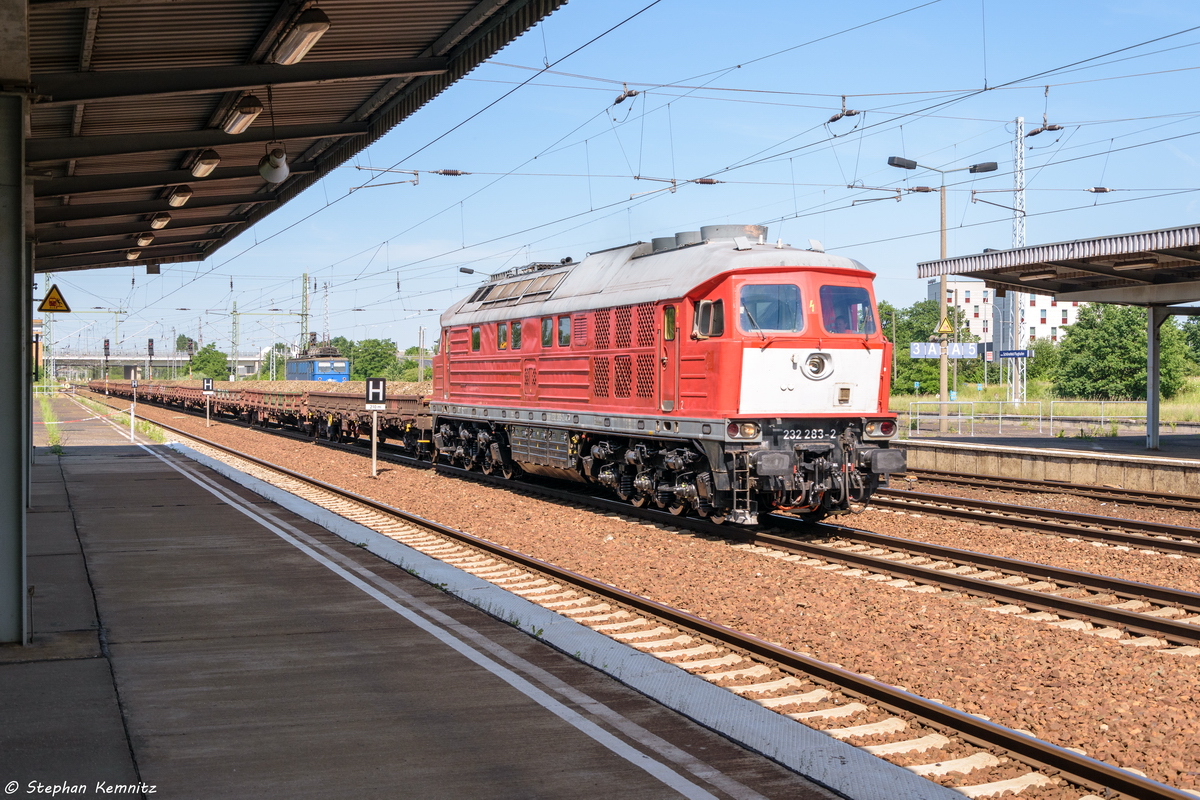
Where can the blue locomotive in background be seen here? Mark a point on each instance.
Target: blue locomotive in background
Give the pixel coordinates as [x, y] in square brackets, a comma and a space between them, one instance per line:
[318, 363]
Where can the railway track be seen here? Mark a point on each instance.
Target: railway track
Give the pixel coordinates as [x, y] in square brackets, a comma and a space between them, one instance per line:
[1164, 500]
[812, 692]
[1140, 614]
[1159, 537]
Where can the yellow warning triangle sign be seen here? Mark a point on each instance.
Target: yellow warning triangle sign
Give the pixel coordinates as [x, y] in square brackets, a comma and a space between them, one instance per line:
[945, 326]
[54, 302]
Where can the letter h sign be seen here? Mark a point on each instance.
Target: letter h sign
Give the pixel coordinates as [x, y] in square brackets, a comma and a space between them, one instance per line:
[376, 394]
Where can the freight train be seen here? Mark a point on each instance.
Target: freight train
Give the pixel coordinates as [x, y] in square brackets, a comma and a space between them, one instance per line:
[711, 373]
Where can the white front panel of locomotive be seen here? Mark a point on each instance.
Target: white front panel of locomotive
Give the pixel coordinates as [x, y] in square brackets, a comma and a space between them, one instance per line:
[774, 384]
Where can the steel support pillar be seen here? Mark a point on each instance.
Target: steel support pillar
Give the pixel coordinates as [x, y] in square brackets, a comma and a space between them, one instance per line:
[1155, 317]
[14, 319]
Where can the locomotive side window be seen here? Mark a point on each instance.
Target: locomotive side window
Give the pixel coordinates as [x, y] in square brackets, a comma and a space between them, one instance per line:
[548, 332]
[710, 319]
[564, 331]
[475, 337]
[669, 324]
[516, 335]
[847, 309]
[771, 307]
[501, 335]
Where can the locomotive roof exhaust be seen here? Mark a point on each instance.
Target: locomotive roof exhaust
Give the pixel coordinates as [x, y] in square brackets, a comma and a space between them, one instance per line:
[754, 233]
[751, 232]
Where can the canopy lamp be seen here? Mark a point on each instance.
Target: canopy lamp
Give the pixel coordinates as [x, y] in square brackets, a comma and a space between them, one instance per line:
[206, 162]
[273, 166]
[145, 239]
[309, 28]
[179, 196]
[133, 255]
[246, 112]
[1141, 263]
[160, 220]
[1044, 275]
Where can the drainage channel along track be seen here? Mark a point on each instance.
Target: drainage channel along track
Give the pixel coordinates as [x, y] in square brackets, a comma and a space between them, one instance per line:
[1164, 500]
[929, 738]
[1174, 539]
[1134, 613]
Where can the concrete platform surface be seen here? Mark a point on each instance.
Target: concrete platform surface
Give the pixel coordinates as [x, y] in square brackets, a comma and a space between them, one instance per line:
[190, 646]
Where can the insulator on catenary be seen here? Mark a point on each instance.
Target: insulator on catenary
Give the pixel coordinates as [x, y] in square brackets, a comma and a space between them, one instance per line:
[1099, 189]
[450, 172]
[706, 181]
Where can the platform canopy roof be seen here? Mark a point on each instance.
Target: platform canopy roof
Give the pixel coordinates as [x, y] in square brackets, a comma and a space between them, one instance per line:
[1152, 268]
[130, 94]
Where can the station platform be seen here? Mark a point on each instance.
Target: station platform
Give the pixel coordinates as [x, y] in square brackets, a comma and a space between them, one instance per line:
[1122, 461]
[194, 638]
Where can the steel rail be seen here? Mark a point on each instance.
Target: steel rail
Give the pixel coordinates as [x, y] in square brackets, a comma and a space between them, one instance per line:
[1185, 541]
[1133, 590]
[1130, 621]
[1145, 498]
[1043, 755]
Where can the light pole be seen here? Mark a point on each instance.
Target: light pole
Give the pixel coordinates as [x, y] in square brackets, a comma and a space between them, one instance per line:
[905, 163]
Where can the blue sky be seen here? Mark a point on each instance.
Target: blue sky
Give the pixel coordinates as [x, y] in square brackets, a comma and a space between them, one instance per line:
[738, 93]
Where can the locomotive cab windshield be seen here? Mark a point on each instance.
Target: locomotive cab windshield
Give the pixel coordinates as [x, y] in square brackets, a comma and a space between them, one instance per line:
[847, 309]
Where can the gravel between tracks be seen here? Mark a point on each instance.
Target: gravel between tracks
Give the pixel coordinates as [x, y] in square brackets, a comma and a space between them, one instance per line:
[1129, 706]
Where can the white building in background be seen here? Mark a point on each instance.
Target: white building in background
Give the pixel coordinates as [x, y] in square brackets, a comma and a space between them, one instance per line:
[990, 317]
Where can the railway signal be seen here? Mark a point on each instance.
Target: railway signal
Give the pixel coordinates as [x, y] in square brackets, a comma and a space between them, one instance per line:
[106, 348]
[150, 348]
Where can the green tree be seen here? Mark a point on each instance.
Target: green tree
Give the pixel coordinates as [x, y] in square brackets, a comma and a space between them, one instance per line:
[1104, 355]
[373, 358]
[1191, 334]
[182, 341]
[211, 363]
[1044, 360]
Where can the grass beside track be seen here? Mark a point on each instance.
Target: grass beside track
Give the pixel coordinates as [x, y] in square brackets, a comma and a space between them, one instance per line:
[50, 420]
[144, 427]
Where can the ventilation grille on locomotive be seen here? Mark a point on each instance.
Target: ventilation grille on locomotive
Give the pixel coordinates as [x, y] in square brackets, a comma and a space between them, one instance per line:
[601, 375]
[645, 325]
[623, 382]
[645, 375]
[603, 329]
[624, 326]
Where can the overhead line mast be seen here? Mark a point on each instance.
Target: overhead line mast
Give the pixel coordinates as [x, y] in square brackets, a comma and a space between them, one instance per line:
[1018, 370]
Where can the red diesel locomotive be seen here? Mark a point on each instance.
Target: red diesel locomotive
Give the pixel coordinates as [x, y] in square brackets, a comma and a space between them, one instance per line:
[709, 373]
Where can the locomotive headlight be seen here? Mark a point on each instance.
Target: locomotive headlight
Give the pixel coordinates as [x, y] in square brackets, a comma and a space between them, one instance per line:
[818, 366]
[880, 428]
[742, 430]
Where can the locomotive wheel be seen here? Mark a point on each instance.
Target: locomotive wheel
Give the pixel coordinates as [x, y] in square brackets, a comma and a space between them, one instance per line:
[706, 511]
[677, 507]
[509, 471]
[639, 500]
[488, 467]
